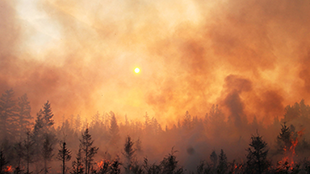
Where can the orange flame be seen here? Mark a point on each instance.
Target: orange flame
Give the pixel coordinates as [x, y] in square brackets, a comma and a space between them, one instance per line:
[288, 160]
[100, 164]
[8, 169]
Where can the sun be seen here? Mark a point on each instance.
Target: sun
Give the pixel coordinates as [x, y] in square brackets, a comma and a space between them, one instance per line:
[137, 70]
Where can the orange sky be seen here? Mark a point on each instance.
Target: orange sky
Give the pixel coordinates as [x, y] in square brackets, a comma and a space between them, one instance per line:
[250, 57]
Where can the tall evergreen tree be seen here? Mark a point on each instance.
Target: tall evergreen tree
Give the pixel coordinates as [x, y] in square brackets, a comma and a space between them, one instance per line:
[8, 115]
[223, 165]
[19, 153]
[129, 152]
[114, 129]
[213, 158]
[77, 165]
[29, 151]
[47, 151]
[64, 155]
[48, 115]
[284, 138]
[86, 145]
[257, 162]
[169, 164]
[23, 114]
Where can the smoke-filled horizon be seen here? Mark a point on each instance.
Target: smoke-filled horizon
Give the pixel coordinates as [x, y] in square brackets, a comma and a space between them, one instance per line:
[249, 57]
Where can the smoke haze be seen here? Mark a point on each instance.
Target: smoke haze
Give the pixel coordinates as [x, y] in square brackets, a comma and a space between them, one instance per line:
[250, 57]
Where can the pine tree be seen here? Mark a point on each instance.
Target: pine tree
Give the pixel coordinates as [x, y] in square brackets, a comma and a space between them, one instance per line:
[284, 138]
[213, 158]
[43, 128]
[64, 155]
[29, 151]
[48, 115]
[47, 151]
[257, 161]
[19, 152]
[86, 144]
[114, 130]
[23, 114]
[77, 165]
[7, 115]
[129, 152]
[223, 166]
[169, 164]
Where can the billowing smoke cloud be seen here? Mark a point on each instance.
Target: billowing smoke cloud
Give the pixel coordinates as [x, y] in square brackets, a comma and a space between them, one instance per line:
[250, 57]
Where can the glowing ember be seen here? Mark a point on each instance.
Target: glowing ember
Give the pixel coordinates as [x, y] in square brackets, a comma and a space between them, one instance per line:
[8, 169]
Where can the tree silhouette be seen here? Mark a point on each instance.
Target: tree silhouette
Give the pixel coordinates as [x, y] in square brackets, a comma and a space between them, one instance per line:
[19, 152]
[47, 115]
[284, 138]
[114, 129]
[257, 161]
[64, 155]
[129, 152]
[213, 158]
[169, 164]
[29, 151]
[47, 151]
[7, 115]
[23, 114]
[77, 165]
[223, 165]
[86, 145]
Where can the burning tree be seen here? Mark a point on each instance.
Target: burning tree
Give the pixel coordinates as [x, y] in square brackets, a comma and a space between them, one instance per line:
[257, 162]
[284, 139]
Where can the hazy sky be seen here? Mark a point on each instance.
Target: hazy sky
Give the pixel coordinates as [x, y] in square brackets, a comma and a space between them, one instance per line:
[250, 57]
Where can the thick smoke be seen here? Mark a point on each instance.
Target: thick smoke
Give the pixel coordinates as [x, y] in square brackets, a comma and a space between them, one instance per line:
[250, 57]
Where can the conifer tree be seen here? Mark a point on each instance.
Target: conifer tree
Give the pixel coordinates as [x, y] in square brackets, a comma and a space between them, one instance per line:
[257, 161]
[7, 115]
[86, 145]
[48, 115]
[77, 165]
[29, 151]
[47, 151]
[284, 138]
[169, 164]
[19, 152]
[129, 152]
[223, 166]
[23, 114]
[64, 155]
[213, 158]
[114, 129]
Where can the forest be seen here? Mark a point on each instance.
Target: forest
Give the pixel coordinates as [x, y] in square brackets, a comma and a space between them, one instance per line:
[202, 145]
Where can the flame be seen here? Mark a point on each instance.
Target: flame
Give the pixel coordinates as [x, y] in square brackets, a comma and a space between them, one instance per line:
[100, 164]
[287, 161]
[8, 169]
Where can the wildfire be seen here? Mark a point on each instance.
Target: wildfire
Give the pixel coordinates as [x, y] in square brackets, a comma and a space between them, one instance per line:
[287, 161]
[8, 169]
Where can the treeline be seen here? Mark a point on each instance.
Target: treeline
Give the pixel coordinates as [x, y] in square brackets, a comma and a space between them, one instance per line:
[141, 146]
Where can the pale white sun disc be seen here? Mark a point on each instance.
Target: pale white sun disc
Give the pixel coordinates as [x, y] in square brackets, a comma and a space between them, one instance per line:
[137, 70]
